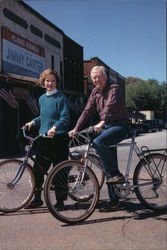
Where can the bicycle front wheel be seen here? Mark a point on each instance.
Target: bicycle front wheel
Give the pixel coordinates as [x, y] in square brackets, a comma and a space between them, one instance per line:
[150, 180]
[15, 197]
[69, 184]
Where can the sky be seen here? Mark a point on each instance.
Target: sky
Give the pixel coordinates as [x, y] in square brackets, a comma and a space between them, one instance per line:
[127, 35]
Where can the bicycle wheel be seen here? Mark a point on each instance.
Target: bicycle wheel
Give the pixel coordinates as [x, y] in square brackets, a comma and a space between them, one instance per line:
[150, 177]
[13, 198]
[66, 180]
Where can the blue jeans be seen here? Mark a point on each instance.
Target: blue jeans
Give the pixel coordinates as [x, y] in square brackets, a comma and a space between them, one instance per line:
[112, 134]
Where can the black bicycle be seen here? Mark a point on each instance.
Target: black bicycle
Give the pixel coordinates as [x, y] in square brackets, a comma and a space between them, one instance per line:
[17, 181]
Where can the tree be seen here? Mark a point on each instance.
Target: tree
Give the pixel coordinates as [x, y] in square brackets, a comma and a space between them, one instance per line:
[163, 100]
[143, 95]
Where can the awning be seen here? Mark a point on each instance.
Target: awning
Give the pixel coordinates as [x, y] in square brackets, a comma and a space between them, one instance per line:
[31, 102]
[8, 97]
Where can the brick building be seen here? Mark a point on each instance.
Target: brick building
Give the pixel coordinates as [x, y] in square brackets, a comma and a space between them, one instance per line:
[114, 77]
[29, 44]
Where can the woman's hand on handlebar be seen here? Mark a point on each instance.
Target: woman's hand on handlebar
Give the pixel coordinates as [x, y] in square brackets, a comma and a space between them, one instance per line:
[52, 131]
[28, 125]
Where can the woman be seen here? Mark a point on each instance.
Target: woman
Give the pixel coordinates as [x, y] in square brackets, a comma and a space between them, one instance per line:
[53, 121]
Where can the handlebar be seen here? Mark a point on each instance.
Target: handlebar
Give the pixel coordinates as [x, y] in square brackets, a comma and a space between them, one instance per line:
[82, 137]
[32, 139]
[84, 131]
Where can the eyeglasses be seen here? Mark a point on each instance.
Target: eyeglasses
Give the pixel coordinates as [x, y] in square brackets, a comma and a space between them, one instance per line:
[97, 77]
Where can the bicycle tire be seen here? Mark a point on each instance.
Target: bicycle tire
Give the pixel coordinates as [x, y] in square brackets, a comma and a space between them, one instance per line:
[16, 197]
[154, 194]
[98, 173]
[68, 174]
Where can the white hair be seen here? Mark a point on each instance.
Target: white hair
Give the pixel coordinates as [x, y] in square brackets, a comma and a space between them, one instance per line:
[99, 68]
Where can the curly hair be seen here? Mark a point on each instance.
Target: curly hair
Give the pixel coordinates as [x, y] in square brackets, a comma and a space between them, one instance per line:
[47, 72]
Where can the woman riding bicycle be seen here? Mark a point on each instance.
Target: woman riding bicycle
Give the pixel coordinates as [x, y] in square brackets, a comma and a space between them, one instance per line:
[53, 121]
[107, 101]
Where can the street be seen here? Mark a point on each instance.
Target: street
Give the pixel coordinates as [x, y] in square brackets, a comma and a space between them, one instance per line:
[131, 228]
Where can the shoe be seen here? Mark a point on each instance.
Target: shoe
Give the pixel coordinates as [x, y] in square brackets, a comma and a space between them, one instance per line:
[110, 207]
[116, 179]
[59, 206]
[34, 204]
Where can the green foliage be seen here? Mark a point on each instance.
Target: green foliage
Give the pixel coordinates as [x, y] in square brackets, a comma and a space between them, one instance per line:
[145, 95]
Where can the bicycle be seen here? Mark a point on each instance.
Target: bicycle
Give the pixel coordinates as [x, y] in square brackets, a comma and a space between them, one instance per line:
[149, 181]
[17, 181]
[77, 151]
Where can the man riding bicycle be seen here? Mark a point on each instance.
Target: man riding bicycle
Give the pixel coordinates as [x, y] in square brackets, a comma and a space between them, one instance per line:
[108, 102]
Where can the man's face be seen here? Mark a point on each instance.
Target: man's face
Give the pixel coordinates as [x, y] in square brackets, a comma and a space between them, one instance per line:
[99, 79]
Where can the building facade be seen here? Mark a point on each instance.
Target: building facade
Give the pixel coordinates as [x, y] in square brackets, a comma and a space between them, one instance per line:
[29, 44]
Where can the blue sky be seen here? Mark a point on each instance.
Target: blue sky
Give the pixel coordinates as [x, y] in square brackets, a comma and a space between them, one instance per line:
[128, 35]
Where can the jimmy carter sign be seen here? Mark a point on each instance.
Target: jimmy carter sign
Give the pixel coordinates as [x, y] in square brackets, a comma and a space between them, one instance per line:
[20, 56]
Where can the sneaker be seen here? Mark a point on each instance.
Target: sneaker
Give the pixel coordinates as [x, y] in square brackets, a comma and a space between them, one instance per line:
[111, 206]
[116, 179]
[34, 204]
[59, 206]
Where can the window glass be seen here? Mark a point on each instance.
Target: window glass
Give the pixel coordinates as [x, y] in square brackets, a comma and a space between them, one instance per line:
[15, 18]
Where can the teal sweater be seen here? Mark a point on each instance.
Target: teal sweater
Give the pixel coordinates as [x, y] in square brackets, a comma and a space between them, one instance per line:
[53, 111]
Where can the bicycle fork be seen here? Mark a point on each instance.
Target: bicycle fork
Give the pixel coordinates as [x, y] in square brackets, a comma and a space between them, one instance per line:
[20, 171]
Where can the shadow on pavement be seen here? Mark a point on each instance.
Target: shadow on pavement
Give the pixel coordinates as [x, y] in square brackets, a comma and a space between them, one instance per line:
[131, 210]
[27, 211]
[135, 211]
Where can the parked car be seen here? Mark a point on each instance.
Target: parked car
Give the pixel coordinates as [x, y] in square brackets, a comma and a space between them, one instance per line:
[148, 126]
[153, 125]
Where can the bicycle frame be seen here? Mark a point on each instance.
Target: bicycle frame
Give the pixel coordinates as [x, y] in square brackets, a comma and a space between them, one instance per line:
[21, 168]
[140, 153]
[28, 156]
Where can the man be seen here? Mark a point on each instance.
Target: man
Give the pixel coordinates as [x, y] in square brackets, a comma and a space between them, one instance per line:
[108, 102]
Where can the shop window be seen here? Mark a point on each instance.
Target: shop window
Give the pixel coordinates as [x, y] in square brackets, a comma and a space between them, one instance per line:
[15, 18]
[51, 40]
[36, 31]
[52, 62]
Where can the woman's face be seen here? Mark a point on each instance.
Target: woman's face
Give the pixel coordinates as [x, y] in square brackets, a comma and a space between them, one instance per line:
[50, 82]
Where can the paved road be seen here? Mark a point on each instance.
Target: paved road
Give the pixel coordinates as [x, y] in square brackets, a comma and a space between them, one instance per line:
[131, 228]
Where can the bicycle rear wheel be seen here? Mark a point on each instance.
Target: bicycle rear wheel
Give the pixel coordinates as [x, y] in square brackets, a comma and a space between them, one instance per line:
[150, 177]
[15, 197]
[66, 178]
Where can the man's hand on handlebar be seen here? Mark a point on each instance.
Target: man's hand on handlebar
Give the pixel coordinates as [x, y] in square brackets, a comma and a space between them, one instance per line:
[97, 128]
[70, 133]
